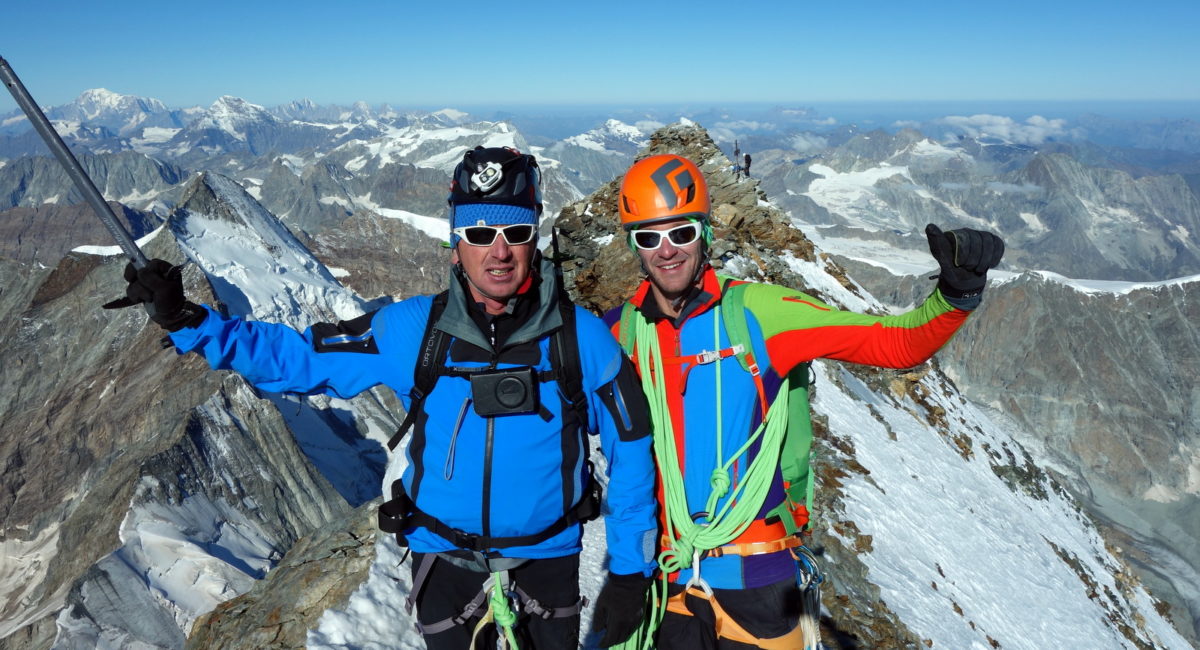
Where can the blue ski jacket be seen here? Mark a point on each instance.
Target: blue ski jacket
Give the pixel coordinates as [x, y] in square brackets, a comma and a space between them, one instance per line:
[500, 476]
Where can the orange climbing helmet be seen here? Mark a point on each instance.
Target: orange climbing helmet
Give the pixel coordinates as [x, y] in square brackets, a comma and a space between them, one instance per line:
[661, 188]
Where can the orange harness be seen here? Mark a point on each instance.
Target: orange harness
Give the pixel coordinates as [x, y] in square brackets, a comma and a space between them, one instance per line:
[727, 628]
[773, 536]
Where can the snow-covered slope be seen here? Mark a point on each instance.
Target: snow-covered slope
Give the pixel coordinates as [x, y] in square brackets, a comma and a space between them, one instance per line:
[259, 270]
[259, 267]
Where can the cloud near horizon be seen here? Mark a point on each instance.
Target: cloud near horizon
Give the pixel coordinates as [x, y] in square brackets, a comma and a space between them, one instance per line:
[808, 142]
[1035, 130]
[730, 131]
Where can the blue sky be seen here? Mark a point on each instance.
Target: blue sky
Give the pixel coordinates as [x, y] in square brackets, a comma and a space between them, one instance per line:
[434, 54]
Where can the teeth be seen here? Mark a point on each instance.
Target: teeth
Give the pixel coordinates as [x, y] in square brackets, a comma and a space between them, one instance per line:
[671, 266]
[498, 272]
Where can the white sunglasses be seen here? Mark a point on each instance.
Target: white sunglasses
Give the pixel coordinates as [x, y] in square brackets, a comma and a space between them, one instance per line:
[683, 235]
[486, 235]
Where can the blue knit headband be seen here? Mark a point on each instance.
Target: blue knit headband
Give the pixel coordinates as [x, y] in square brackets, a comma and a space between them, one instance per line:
[491, 214]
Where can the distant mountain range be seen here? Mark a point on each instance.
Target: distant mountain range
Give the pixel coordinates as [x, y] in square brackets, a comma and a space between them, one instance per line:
[303, 212]
[314, 165]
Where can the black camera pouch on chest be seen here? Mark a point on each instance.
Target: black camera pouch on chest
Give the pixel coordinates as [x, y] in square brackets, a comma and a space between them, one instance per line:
[508, 391]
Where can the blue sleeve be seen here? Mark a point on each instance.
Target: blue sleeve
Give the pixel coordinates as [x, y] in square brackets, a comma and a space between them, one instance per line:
[276, 358]
[621, 418]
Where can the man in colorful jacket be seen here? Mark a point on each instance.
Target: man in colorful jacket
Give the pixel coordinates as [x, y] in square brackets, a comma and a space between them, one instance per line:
[708, 409]
[498, 481]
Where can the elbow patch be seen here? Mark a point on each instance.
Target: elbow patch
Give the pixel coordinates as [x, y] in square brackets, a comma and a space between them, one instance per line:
[625, 401]
[353, 335]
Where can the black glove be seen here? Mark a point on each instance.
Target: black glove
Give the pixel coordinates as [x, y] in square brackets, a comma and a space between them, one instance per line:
[620, 607]
[965, 256]
[159, 286]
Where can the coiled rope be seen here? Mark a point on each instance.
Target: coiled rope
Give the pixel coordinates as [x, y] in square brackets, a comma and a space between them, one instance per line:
[690, 538]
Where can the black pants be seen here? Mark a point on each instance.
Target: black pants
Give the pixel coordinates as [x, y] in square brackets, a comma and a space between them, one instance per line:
[553, 582]
[765, 612]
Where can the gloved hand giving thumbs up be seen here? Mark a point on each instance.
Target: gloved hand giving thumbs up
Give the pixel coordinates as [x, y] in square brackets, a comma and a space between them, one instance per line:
[965, 255]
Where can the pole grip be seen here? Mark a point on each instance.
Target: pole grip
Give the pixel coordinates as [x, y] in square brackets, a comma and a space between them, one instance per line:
[84, 183]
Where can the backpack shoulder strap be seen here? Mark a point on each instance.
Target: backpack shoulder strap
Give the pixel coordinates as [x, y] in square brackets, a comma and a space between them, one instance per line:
[430, 358]
[625, 329]
[564, 359]
[797, 441]
[733, 314]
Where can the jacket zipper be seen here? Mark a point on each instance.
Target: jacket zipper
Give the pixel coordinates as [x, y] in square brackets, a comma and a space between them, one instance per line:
[487, 479]
[487, 450]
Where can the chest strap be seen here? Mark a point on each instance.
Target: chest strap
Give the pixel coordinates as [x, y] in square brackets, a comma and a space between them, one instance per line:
[705, 356]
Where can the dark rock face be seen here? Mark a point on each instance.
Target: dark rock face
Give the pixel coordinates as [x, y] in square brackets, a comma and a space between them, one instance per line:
[386, 259]
[99, 423]
[128, 177]
[46, 233]
[325, 194]
[1054, 211]
[1106, 383]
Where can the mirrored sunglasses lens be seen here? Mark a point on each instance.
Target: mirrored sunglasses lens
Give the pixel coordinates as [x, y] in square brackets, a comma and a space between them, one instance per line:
[683, 235]
[648, 239]
[480, 235]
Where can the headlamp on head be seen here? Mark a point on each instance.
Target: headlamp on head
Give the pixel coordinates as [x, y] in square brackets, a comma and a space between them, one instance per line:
[496, 175]
[486, 177]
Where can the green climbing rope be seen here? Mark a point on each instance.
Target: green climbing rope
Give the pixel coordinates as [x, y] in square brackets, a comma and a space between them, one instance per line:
[726, 523]
[499, 612]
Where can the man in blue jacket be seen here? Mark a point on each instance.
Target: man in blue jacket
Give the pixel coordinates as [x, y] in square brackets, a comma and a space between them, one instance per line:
[500, 399]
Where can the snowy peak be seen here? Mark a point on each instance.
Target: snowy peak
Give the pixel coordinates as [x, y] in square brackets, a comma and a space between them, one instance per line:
[428, 145]
[450, 116]
[98, 102]
[232, 115]
[614, 136]
[123, 115]
[297, 110]
[265, 271]
[306, 110]
[360, 111]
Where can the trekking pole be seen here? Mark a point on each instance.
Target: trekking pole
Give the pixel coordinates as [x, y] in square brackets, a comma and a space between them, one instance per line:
[71, 165]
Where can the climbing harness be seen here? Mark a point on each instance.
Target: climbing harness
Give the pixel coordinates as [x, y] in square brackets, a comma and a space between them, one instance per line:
[505, 600]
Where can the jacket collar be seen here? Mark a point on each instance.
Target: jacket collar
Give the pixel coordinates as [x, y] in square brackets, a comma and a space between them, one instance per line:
[543, 319]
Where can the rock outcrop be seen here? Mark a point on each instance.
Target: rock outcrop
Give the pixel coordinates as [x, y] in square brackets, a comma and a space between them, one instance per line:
[317, 574]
